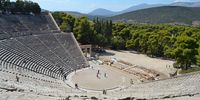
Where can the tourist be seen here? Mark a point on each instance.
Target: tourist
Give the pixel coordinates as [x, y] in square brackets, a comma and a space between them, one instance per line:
[98, 76]
[17, 78]
[131, 81]
[92, 67]
[105, 75]
[76, 86]
[65, 76]
[104, 92]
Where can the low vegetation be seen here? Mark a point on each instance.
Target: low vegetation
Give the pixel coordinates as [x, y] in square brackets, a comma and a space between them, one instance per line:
[162, 40]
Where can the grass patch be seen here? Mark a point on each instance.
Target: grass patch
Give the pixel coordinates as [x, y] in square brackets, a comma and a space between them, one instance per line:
[194, 69]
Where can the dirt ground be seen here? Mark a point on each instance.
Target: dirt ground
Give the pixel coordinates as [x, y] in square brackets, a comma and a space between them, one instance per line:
[157, 64]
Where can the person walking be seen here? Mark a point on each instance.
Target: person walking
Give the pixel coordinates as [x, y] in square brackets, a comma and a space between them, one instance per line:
[105, 75]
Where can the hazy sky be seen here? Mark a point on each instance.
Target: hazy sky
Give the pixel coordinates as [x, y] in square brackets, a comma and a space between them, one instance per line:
[86, 6]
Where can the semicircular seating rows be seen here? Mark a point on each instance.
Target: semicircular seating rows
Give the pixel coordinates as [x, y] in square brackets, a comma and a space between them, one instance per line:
[34, 49]
[48, 52]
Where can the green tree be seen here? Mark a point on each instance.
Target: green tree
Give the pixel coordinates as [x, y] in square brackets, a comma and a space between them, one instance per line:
[67, 24]
[101, 40]
[69, 20]
[143, 42]
[64, 27]
[65, 21]
[19, 6]
[2, 7]
[118, 42]
[35, 8]
[5, 5]
[84, 31]
[185, 51]
[134, 42]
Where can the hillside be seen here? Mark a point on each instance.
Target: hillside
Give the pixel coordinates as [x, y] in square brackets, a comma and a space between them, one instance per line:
[166, 14]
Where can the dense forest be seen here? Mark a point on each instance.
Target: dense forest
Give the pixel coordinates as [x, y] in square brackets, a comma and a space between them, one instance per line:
[20, 6]
[162, 40]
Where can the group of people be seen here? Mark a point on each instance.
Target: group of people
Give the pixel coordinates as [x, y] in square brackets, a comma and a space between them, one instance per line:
[98, 73]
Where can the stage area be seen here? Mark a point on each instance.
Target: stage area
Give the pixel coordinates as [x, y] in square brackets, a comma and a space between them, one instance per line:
[89, 79]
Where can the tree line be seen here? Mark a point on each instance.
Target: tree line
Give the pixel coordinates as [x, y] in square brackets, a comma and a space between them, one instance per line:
[97, 32]
[20, 6]
[177, 42]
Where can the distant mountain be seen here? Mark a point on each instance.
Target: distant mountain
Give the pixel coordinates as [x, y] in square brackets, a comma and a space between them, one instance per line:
[105, 12]
[139, 7]
[165, 14]
[101, 12]
[186, 4]
[145, 6]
